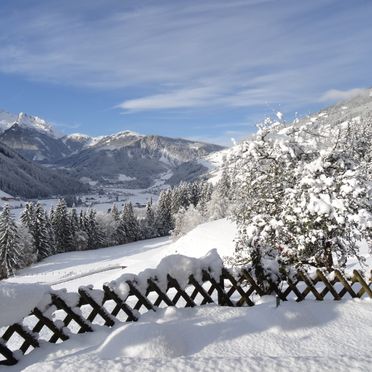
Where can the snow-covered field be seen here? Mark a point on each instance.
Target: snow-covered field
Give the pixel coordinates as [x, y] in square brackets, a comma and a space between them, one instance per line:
[103, 265]
[304, 336]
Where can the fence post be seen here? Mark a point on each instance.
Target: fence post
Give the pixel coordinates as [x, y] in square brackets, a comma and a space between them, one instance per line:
[220, 297]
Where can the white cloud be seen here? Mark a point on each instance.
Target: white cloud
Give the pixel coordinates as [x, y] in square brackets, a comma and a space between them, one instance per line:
[340, 95]
[191, 97]
[211, 53]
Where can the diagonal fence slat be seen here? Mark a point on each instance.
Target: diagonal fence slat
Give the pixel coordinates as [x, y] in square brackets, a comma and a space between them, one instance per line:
[238, 289]
[328, 285]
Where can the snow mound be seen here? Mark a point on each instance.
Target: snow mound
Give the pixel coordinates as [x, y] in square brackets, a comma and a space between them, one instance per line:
[18, 300]
[177, 266]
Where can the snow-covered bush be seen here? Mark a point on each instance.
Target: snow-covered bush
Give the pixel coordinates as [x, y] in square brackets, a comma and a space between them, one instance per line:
[299, 200]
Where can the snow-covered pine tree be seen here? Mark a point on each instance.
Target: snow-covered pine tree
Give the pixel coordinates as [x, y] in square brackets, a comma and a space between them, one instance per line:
[164, 219]
[33, 218]
[10, 252]
[28, 215]
[195, 193]
[50, 231]
[130, 224]
[74, 221]
[149, 223]
[40, 234]
[79, 236]
[224, 184]
[93, 231]
[206, 190]
[26, 247]
[120, 234]
[115, 213]
[62, 228]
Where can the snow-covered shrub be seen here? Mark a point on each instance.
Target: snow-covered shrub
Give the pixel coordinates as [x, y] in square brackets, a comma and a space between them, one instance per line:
[299, 201]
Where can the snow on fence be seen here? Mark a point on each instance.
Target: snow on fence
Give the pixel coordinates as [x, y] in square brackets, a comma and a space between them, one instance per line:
[61, 314]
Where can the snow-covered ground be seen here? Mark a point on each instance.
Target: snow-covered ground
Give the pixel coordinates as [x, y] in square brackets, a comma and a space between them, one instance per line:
[104, 265]
[306, 336]
[302, 336]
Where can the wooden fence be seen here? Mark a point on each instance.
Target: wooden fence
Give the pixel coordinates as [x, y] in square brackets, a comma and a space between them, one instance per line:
[69, 313]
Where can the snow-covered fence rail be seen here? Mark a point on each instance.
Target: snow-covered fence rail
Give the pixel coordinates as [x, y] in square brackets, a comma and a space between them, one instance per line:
[61, 314]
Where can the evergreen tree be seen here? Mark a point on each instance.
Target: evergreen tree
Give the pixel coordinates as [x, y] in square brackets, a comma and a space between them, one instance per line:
[28, 215]
[130, 223]
[120, 234]
[164, 219]
[10, 252]
[62, 228]
[149, 223]
[40, 234]
[206, 190]
[50, 232]
[93, 231]
[224, 184]
[115, 213]
[74, 221]
[33, 217]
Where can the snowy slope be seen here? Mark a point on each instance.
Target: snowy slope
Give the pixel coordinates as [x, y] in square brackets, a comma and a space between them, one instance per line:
[72, 269]
[307, 336]
[136, 257]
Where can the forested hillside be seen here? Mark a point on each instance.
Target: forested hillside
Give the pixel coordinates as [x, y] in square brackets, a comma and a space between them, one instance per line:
[20, 177]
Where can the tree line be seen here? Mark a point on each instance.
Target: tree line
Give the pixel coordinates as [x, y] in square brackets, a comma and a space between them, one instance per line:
[41, 233]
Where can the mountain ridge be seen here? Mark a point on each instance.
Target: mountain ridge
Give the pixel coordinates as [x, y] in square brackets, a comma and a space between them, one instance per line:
[125, 158]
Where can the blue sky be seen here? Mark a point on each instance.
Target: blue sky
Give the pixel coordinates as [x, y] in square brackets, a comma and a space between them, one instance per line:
[198, 69]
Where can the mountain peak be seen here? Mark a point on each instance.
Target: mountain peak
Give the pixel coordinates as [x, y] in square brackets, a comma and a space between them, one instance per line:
[8, 119]
[127, 133]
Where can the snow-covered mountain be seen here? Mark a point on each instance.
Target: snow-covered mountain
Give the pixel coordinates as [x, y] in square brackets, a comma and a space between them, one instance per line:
[8, 119]
[126, 158]
[33, 144]
[78, 141]
[138, 161]
[323, 124]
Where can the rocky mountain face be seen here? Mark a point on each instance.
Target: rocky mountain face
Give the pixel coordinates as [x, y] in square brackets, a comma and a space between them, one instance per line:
[33, 144]
[126, 159]
[136, 161]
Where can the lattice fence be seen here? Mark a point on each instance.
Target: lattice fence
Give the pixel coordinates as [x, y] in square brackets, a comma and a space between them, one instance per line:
[71, 313]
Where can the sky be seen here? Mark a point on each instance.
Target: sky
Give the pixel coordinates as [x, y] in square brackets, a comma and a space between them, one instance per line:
[207, 70]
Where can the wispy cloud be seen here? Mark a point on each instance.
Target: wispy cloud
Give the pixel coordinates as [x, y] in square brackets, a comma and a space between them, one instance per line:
[191, 97]
[338, 95]
[213, 53]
